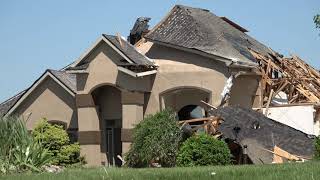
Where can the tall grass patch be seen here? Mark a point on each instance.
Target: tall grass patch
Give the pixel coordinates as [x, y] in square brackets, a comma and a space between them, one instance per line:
[19, 151]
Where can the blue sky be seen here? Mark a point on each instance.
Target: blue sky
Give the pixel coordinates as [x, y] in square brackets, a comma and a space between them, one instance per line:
[37, 34]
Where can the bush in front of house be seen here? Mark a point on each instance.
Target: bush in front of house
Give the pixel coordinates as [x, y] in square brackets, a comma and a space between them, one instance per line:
[203, 150]
[56, 140]
[19, 151]
[155, 139]
[317, 148]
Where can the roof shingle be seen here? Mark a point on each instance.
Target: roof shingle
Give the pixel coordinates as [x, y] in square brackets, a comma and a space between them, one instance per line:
[199, 29]
[129, 50]
[67, 79]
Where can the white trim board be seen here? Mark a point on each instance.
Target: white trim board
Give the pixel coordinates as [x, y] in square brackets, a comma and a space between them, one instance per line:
[133, 74]
[34, 86]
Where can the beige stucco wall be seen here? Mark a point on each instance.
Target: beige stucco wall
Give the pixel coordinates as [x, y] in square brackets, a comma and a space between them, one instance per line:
[244, 90]
[103, 71]
[178, 68]
[49, 100]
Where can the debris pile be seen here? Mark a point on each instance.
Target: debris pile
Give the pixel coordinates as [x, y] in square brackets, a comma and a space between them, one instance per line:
[298, 80]
[251, 136]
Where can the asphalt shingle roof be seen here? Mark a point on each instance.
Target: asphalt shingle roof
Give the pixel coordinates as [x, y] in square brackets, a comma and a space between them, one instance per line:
[129, 50]
[6, 105]
[67, 79]
[257, 131]
[199, 29]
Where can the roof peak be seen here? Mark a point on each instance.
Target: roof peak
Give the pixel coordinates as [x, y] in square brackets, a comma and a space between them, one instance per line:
[189, 7]
[205, 33]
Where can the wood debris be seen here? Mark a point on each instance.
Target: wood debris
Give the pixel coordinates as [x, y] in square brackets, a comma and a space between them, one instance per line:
[209, 125]
[293, 76]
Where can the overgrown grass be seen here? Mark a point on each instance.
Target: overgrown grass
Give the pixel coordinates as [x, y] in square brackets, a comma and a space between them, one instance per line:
[303, 171]
[18, 150]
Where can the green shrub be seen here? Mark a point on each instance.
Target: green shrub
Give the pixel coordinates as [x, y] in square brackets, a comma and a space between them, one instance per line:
[56, 140]
[317, 148]
[18, 149]
[203, 150]
[70, 154]
[156, 138]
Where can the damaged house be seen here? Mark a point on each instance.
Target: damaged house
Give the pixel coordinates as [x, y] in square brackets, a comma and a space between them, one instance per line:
[190, 56]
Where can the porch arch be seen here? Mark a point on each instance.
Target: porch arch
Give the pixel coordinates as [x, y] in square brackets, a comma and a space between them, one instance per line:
[178, 97]
[102, 85]
[107, 99]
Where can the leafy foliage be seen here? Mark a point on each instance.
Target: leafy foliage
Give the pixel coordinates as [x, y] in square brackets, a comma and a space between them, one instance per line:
[203, 150]
[18, 150]
[56, 140]
[316, 20]
[156, 138]
[70, 154]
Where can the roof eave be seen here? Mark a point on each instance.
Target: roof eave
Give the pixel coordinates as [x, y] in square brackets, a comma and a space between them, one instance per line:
[248, 65]
[134, 74]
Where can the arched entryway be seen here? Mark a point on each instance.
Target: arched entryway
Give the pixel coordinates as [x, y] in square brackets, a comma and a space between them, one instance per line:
[185, 101]
[108, 103]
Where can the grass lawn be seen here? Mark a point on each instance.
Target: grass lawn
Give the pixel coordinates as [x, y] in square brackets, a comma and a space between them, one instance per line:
[303, 171]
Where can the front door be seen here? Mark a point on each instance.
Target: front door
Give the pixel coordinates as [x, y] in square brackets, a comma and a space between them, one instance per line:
[113, 144]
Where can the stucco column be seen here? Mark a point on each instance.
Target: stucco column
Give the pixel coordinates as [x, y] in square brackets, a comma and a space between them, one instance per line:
[132, 114]
[89, 130]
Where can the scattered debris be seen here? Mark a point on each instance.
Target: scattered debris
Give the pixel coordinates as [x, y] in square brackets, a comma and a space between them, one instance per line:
[252, 137]
[53, 168]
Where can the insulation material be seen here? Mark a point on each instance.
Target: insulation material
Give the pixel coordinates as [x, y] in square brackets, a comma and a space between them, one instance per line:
[297, 117]
[227, 87]
[280, 98]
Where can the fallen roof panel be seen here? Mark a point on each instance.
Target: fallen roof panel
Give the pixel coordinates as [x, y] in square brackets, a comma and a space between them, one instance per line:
[252, 129]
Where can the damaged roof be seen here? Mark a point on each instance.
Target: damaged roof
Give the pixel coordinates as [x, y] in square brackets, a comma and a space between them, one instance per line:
[252, 129]
[129, 50]
[201, 30]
